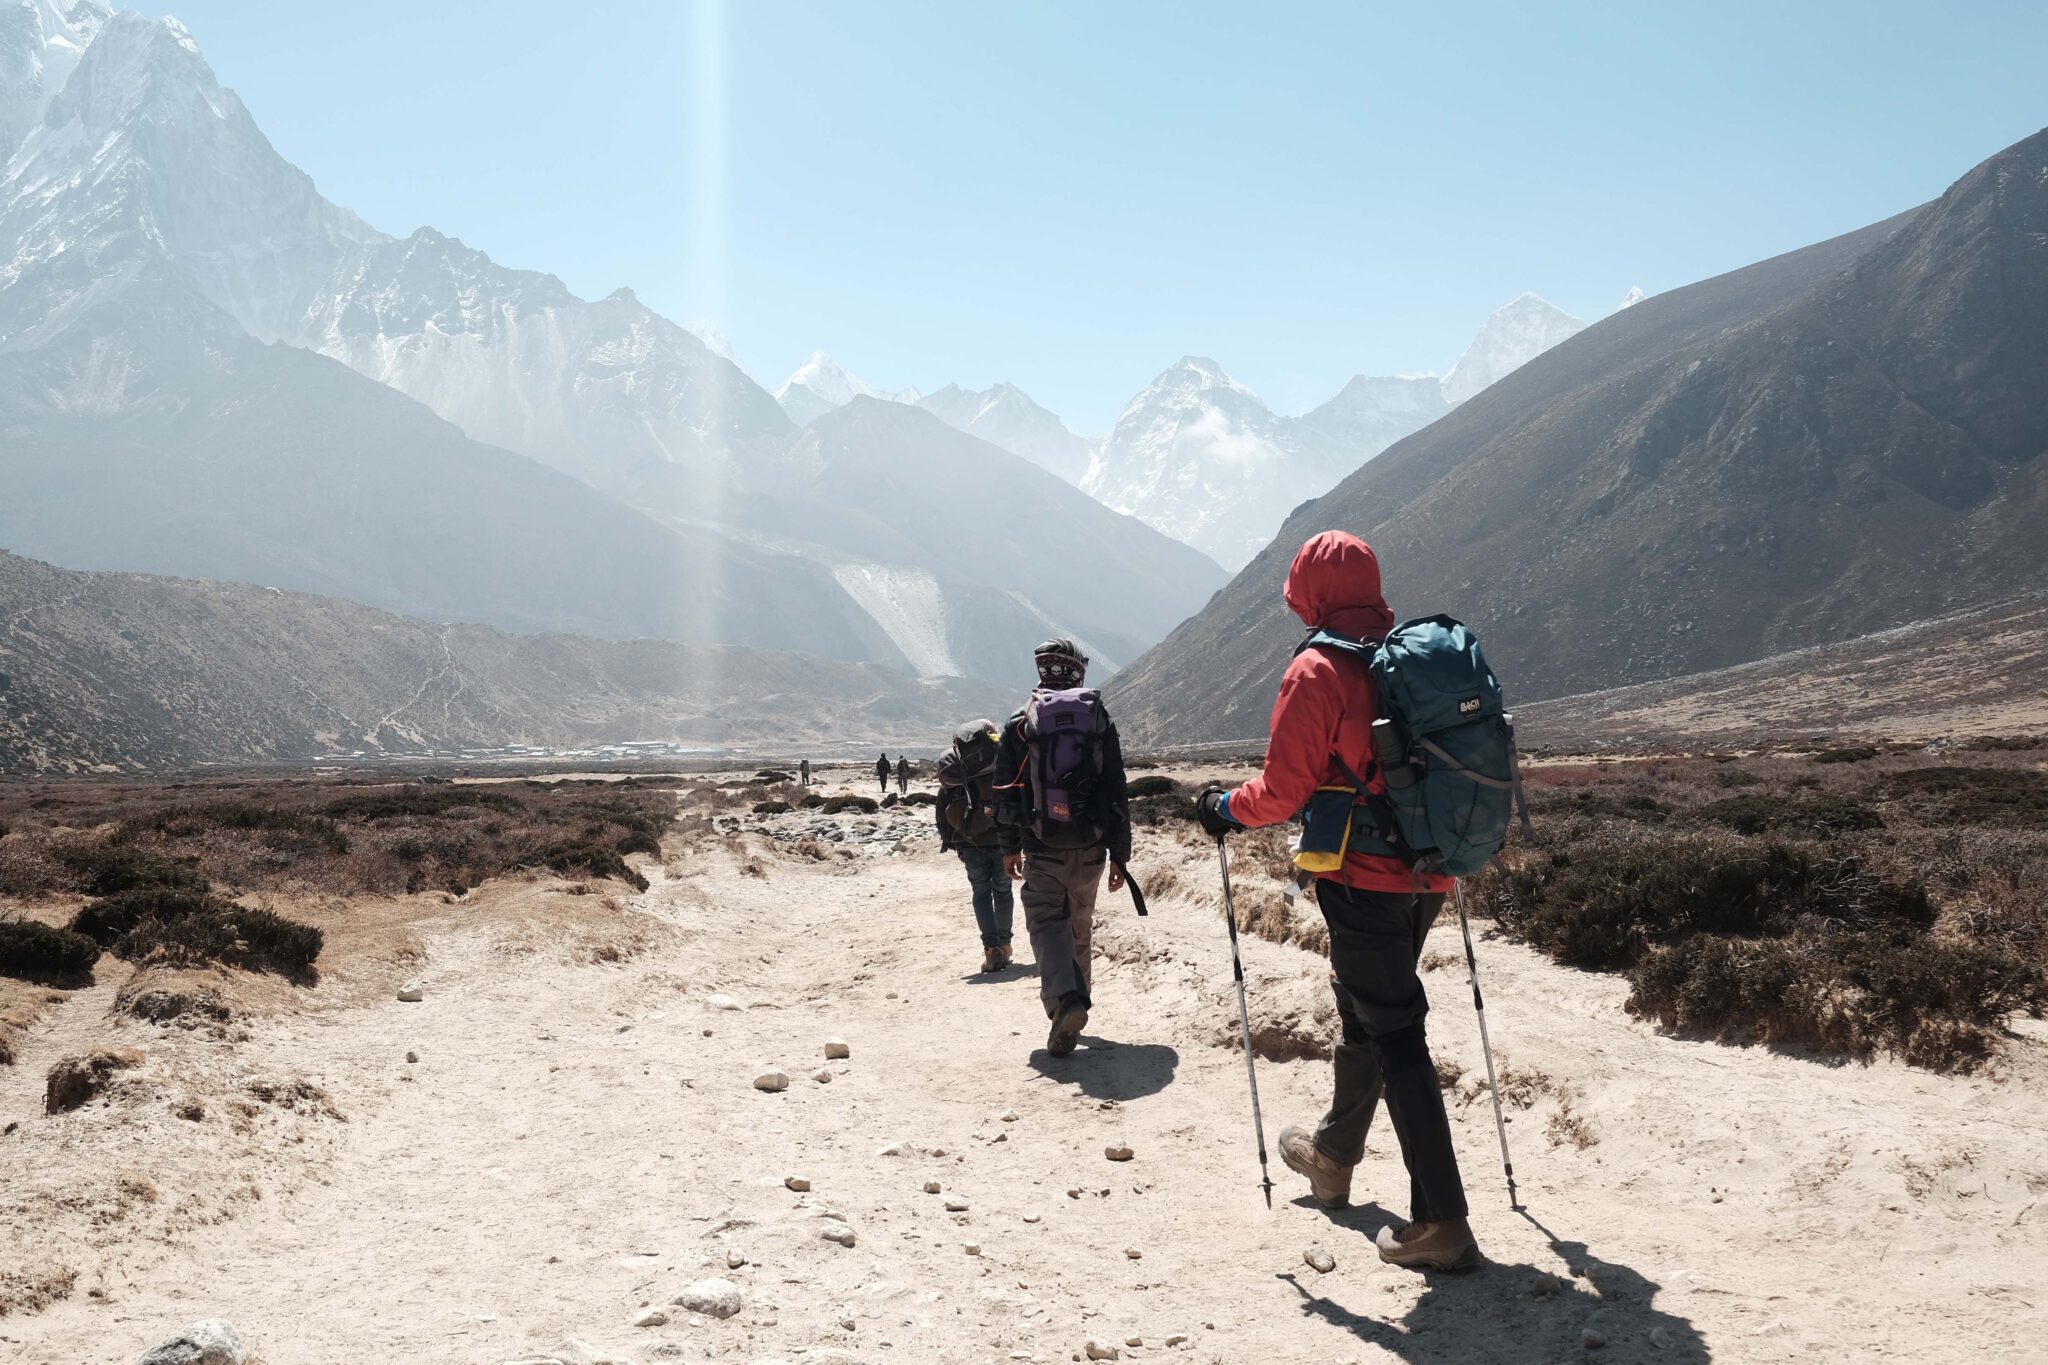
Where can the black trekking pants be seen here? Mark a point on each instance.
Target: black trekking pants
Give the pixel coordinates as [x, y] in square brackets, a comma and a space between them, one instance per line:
[1375, 942]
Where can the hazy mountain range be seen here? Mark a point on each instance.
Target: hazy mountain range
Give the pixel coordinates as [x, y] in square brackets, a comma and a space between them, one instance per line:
[1835, 441]
[1197, 454]
[207, 369]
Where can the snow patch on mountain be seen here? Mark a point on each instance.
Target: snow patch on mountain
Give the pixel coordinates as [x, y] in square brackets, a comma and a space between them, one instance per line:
[909, 606]
[1006, 416]
[821, 384]
[1516, 334]
[1634, 296]
[41, 43]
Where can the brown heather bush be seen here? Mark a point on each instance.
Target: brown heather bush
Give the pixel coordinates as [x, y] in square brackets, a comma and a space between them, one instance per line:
[33, 951]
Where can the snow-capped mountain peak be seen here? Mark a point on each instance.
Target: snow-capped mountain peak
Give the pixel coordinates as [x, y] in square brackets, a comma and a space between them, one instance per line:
[1516, 334]
[1634, 296]
[826, 378]
[1004, 415]
[41, 42]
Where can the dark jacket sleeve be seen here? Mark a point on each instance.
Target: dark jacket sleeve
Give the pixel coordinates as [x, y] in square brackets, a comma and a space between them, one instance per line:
[1011, 797]
[939, 816]
[1116, 800]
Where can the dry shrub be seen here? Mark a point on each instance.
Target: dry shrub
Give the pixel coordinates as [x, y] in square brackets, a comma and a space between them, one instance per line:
[33, 951]
[866, 805]
[27, 870]
[1758, 813]
[1765, 942]
[34, 1289]
[233, 935]
[2015, 798]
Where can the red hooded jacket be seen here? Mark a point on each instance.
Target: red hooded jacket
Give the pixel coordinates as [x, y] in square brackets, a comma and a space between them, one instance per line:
[1326, 704]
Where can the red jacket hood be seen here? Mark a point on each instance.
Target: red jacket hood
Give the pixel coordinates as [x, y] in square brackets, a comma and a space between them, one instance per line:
[1334, 584]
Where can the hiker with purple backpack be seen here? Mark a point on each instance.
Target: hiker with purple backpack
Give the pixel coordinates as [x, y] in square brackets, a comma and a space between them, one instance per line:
[1062, 816]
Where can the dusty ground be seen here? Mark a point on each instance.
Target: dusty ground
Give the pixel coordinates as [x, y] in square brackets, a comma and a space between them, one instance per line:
[580, 1137]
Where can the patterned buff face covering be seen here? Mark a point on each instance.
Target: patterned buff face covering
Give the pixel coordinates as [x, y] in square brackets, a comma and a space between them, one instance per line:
[1061, 670]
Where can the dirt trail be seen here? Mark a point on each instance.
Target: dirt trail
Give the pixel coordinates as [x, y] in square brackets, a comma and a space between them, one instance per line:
[580, 1139]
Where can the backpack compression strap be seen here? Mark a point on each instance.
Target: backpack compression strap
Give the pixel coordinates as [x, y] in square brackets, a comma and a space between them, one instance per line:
[1386, 830]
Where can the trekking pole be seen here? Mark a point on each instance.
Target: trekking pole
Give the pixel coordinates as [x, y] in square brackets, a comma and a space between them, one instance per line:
[1244, 1019]
[1500, 1126]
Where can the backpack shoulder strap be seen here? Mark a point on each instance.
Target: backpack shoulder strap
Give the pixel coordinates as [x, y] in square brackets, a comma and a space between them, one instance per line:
[1362, 650]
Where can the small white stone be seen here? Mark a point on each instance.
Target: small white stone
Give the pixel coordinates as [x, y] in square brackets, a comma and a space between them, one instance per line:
[1009, 1116]
[797, 1183]
[836, 1049]
[212, 1342]
[650, 1317]
[822, 1076]
[1177, 1339]
[955, 1204]
[837, 1232]
[1118, 1152]
[772, 1081]
[1030, 1217]
[713, 1298]
[412, 992]
[931, 1187]
[733, 1260]
[722, 1001]
[1102, 1350]
[896, 1149]
[1134, 1253]
[1321, 1261]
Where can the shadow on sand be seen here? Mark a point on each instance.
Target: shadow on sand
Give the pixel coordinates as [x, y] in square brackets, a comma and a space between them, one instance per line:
[1016, 971]
[1494, 1313]
[1107, 1070]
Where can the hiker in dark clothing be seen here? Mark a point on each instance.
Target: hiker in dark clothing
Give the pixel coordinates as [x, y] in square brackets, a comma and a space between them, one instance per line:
[1378, 909]
[967, 827]
[804, 773]
[1061, 816]
[882, 772]
[903, 775]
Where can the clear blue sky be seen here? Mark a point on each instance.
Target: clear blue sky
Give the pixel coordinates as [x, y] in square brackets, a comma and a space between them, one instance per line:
[1071, 196]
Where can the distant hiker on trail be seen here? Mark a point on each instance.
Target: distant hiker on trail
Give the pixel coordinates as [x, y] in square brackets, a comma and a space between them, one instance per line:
[1378, 909]
[1061, 816]
[882, 772]
[804, 773]
[903, 775]
[967, 827]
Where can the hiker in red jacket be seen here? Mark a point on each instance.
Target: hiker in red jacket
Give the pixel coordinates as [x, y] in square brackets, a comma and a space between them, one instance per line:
[1378, 909]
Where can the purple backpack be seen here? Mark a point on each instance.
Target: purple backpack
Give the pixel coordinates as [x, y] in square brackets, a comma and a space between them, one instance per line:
[1064, 729]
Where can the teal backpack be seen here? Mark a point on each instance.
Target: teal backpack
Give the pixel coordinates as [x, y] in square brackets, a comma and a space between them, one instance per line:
[1445, 745]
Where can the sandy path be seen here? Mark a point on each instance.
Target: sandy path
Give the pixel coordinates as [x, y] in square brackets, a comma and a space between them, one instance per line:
[572, 1145]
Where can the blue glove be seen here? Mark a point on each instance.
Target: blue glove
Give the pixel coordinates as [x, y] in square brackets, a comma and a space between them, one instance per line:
[1212, 808]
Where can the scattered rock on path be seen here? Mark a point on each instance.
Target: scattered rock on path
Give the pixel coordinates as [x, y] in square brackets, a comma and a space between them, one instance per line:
[715, 1298]
[972, 1248]
[412, 992]
[838, 1233]
[822, 1076]
[1591, 1340]
[1134, 1253]
[733, 1260]
[896, 1149]
[1319, 1260]
[772, 1081]
[1102, 1350]
[836, 1049]
[797, 1183]
[212, 1342]
[721, 1001]
[650, 1317]
[1177, 1339]
[1544, 1284]
[931, 1187]
[1118, 1152]
[1134, 1341]
[1009, 1116]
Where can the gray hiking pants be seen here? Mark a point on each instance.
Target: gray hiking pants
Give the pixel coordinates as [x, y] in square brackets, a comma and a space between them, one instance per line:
[1059, 914]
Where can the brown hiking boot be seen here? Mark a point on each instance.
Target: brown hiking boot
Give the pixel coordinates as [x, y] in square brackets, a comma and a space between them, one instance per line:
[991, 959]
[1327, 1181]
[1445, 1245]
[1067, 1023]
[1003, 956]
